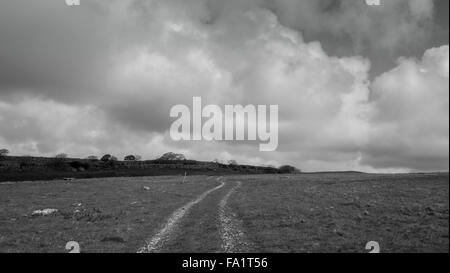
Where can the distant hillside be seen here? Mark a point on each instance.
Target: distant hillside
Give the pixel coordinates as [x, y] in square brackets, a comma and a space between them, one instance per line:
[14, 168]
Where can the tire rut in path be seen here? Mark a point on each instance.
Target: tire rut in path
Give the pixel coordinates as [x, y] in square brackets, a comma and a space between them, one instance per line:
[165, 234]
[233, 238]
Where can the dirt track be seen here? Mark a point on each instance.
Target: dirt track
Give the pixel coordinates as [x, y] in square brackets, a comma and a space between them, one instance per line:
[184, 230]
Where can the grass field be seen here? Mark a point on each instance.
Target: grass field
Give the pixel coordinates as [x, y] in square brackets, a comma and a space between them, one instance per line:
[272, 213]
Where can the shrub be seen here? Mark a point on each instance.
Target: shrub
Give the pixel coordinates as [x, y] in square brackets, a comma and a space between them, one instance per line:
[232, 162]
[130, 158]
[78, 165]
[4, 152]
[57, 163]
[288, 169]
[106, 158]
[61, 156]
[172, 157]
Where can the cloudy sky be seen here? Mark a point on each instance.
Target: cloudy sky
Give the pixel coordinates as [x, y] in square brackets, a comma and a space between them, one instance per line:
[358, 87]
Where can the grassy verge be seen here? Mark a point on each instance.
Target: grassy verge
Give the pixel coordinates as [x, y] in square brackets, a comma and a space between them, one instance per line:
[342, 212]
[102, 215]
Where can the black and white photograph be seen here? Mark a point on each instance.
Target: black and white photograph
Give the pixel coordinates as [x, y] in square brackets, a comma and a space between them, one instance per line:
[228, 127]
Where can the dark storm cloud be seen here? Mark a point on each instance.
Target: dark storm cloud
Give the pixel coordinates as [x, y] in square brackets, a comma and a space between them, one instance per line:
[140, 115]
[49, 50]
[396, 24]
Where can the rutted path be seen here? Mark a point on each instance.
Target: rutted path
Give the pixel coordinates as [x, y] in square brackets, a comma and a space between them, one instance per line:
[206, 224]
[158, 240]
[233, 238]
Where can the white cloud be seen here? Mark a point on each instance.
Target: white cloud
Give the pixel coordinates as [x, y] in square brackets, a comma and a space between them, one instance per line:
[32, 126]
[410, 126]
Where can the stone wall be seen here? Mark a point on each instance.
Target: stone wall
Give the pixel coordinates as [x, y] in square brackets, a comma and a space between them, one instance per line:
[23, 164]
[39, 164]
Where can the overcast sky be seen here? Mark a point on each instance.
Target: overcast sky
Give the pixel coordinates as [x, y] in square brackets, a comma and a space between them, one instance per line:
[358, 87]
